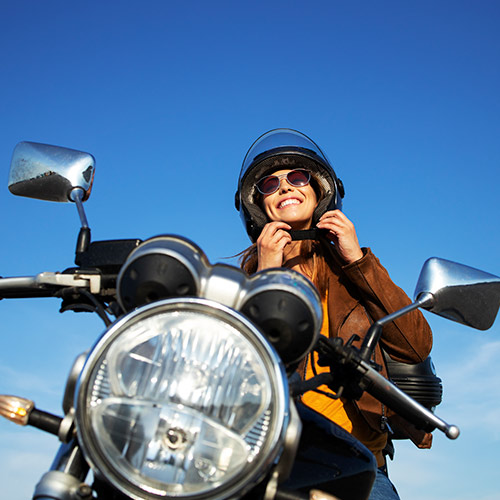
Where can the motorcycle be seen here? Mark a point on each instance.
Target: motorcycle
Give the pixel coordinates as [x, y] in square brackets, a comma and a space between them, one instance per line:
[191, 392]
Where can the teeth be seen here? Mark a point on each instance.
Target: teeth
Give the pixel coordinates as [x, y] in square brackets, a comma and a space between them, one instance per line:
[289, 202]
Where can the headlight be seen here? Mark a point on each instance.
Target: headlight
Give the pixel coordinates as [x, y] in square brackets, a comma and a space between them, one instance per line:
[182, 398]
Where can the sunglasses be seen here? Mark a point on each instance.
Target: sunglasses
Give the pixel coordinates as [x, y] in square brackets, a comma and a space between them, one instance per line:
[271, 183]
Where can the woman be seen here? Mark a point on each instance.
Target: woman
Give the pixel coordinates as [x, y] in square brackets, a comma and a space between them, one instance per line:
[287, 185]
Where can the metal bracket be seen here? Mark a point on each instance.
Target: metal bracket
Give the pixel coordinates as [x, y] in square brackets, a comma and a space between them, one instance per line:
[90, 281]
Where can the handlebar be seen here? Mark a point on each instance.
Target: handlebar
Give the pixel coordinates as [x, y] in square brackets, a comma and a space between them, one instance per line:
[47, 284]
[99, 264]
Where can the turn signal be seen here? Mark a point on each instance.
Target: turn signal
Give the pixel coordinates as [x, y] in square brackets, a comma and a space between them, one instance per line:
[16, 409]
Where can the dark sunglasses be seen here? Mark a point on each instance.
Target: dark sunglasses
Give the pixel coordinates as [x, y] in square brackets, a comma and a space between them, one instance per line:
[271, 183]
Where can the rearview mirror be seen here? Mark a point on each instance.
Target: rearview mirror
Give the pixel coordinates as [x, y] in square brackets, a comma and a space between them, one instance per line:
[460, 293]
[50, 173]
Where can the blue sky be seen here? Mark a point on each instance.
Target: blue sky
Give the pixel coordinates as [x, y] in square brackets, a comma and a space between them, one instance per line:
[402, 96]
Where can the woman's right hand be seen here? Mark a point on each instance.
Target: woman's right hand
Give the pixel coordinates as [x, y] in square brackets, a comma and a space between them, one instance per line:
[271, 244]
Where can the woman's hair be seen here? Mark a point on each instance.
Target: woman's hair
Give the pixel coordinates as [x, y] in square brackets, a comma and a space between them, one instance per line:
[313, 261]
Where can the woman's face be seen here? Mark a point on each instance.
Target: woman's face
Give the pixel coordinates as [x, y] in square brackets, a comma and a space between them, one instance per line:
[290, 204]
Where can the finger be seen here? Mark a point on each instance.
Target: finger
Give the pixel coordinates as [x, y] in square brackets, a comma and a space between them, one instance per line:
[331, 213]
[270, 230]
[339, 221]
[331, 225]
[335, 215]
[272, 227]
[274, 240]
[280, 235]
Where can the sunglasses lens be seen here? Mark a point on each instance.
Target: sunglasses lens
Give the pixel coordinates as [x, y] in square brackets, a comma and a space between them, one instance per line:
[268, 184]
[298, 178]
[271, 183]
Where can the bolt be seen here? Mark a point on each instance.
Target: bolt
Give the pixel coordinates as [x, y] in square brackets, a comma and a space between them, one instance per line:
[84, 491]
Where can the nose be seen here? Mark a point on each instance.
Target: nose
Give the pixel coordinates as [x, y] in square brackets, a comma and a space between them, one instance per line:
[284, 184]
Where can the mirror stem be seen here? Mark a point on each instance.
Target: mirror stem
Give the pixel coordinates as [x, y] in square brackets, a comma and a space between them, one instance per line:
[83, 241]
[374, 333]
[76, 196]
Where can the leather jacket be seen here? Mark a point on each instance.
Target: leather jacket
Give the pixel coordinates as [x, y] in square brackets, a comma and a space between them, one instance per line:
[360, 293]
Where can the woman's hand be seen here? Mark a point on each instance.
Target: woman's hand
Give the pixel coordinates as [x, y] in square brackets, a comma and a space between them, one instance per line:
[271, 243]
[342, 232]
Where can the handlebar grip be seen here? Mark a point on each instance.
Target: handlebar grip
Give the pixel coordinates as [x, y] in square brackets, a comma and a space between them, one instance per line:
[22, 287]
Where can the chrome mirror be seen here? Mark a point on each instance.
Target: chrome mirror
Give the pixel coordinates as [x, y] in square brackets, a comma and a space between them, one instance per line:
[54, 173]
[50, 173]
[460, 293]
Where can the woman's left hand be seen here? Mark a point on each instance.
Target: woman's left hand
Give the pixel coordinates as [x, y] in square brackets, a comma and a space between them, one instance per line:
[342, 232]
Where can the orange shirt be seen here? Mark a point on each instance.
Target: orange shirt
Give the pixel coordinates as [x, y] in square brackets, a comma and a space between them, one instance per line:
[344, 413]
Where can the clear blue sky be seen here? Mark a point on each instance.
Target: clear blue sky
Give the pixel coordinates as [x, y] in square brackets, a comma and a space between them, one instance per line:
[168, 96]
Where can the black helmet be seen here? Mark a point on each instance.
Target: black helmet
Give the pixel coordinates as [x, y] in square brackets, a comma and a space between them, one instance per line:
[279, 149]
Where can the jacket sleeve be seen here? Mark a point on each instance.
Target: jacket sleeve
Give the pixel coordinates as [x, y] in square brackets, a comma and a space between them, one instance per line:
[407, 339]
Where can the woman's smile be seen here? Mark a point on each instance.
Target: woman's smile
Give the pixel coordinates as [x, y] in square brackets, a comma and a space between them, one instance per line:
[289, 201]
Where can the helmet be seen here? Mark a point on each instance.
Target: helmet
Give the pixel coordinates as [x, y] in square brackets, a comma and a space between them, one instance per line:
[281, 149]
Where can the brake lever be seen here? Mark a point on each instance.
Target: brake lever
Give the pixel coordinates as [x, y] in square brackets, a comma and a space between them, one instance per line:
[398, 401]
[369, 380]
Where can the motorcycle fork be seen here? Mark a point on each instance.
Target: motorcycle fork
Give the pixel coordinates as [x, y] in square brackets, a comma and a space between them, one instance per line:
[64, 480]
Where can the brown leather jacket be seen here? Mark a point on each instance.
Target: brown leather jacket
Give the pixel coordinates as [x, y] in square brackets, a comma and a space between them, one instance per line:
[360, 293]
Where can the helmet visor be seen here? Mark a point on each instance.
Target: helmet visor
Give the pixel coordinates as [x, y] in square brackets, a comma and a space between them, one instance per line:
[282, 139]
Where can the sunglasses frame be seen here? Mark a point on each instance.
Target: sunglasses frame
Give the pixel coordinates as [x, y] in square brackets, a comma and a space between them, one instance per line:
[280, 177]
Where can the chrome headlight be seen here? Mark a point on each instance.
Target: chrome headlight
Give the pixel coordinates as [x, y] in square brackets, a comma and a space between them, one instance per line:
[182, 398]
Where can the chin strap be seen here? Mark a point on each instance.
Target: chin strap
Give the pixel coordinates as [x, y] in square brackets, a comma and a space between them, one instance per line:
[307, 234]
